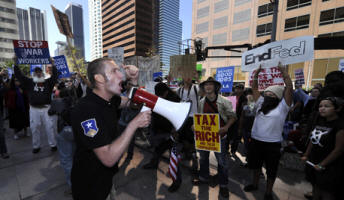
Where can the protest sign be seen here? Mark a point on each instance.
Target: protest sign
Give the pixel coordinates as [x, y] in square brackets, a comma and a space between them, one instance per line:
[225, 75]
[62, 67]
[267, 77]
[62, 22]
[290, 51]
[31, 52]
[183, 66]
[207, 127]
[341, 65]
[157, 75]
[117, 54]
[233, 100]
[299, 77]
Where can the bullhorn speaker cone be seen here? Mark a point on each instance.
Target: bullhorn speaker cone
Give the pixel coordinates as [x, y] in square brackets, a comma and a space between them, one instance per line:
[176, 113]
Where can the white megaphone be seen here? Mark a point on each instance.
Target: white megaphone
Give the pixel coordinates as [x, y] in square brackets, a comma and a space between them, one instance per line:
[176, 113]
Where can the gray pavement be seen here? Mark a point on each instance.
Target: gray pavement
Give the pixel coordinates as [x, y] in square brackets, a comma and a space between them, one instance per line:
[27, 176]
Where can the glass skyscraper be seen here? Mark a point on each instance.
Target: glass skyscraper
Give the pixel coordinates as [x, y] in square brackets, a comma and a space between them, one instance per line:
[170, 31]
[74, 13]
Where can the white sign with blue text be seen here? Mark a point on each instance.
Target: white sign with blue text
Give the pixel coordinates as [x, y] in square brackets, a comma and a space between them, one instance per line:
[225, 76]
[290, 51]
[62, 67]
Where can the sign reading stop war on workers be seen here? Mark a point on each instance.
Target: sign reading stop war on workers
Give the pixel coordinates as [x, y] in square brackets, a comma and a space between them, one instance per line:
[62, 67]
[207, 127]
[31, 52]
[267, 77]
[290, 51]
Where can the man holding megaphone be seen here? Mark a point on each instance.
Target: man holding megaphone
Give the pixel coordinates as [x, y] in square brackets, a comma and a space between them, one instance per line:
[99, 145]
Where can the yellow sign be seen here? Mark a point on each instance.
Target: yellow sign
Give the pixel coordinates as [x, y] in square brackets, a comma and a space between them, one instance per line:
[207, 127]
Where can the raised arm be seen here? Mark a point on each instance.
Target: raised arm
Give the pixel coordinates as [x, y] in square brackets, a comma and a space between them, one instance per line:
[24, 81]
[288, 92]
[255, 90]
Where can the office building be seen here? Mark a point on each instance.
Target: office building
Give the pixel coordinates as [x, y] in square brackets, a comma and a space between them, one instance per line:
[128, 24]
[95, 25]
[32, 24]
[75, 16]
[232, 22]
[8, 29]
[170, 32]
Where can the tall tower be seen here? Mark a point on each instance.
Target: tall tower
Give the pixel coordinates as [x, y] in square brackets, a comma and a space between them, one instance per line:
[95, 21]
[8, 29]
[32, 24]
[127, 24]
[74, 13]
[170, 31]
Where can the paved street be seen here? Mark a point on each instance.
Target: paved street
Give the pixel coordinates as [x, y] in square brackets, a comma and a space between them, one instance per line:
[26, 176]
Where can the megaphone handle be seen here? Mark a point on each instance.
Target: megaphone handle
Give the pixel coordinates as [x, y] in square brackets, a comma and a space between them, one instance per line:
[144, 108]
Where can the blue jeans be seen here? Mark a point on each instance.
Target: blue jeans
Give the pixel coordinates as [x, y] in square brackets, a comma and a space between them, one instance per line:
[66, 149]
[222, 167]
[3, 147]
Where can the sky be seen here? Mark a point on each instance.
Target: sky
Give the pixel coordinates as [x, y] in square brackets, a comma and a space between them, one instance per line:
[54, 35]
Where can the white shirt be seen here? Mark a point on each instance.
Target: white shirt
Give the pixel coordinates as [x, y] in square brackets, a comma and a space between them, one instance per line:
[269, 127]
[187, 95]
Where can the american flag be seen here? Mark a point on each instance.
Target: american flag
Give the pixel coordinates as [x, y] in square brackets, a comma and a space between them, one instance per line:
[174, 160]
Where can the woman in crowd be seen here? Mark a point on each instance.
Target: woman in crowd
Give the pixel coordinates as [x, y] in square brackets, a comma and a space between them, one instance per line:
[326, 151]
[265, 146]
[18, 108]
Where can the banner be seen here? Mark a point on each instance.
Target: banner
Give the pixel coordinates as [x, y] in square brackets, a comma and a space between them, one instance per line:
[31, 52]
[267, 77]
[207, 127]
[225, 76]
[62, 67]
[299, 77]
[156, 75]
[290, 51]
[341, 65]
[183, 66]
[117, 54]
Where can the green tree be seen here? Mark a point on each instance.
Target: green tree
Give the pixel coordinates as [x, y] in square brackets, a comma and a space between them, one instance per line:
[75, 62]
[24, 68]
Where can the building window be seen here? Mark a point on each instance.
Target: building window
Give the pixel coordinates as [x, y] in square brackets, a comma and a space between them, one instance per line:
[264, 29]
[240, 2]
[325, 0]
[296, 23]
[201, 28]
[265, 10]
[294, 4]
[242, 16]
[335, 34]
[332, 16]
[9, 10]
[8, 30]
[203, 12]
[220, 6]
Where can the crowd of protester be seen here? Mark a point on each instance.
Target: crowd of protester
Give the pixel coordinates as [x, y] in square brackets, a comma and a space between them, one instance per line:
[279, 119]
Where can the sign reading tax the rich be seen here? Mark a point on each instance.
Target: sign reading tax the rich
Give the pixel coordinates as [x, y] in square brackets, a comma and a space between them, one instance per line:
[31, 52]
[207, 127]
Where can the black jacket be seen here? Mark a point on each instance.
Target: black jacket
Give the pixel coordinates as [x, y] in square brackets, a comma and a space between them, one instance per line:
[39, 93]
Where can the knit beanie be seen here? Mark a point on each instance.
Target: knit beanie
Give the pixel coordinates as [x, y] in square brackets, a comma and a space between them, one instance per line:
[276, 89]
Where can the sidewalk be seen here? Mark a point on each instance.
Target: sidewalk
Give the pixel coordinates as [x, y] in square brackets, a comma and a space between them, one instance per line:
[27, 176]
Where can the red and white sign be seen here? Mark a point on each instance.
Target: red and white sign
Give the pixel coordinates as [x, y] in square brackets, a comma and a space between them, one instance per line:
[299, 76]
[268, 77]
